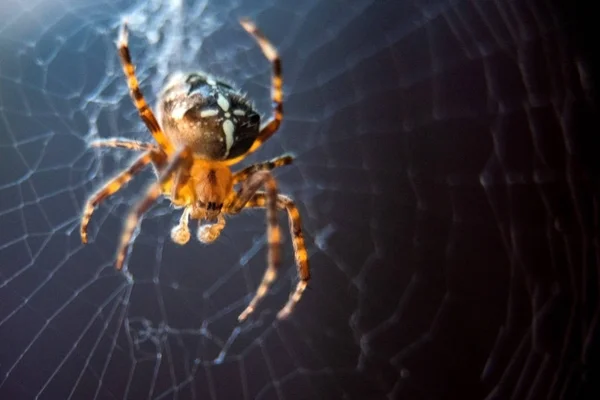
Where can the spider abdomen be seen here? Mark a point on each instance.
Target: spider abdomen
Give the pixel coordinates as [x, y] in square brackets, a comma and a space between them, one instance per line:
[209, 116]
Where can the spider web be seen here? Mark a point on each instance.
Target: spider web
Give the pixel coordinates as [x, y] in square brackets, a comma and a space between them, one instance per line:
[443, 171]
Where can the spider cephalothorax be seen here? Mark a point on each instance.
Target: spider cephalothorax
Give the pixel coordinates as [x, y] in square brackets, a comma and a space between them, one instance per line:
[205, 126]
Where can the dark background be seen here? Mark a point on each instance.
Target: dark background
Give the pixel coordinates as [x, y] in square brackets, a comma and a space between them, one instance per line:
[445, 171]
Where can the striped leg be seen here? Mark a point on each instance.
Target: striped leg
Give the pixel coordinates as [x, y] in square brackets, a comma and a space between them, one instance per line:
[153, 192]
[123, 143]
[243, 174]
[300, 253]
[271, 126]
[254, 182]
[112, 187]
[146, 113]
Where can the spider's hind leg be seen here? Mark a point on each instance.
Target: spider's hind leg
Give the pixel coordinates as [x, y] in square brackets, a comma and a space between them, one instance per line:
[259, 200]
[249, 188]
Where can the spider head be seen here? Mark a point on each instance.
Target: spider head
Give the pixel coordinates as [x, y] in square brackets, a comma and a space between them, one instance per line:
[216, 121]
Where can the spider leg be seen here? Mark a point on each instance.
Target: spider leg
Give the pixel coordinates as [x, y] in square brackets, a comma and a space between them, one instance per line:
[271, 126]
[243, 174]
[144, 110]
[300, 253]
[123, 143]
[113, 186]
[254, 182]
[153, 192]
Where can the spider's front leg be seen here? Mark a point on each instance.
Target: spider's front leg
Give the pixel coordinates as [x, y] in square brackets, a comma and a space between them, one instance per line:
[179, 160]
[241, 198]
[135, 92]
[114, 185]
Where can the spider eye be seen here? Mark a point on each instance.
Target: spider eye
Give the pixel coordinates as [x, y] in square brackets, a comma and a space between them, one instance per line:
[201, 204]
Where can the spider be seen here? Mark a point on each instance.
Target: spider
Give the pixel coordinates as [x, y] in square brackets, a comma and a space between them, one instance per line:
[204, 126]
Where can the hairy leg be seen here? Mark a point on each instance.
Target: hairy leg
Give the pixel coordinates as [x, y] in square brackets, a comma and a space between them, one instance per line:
[272, 125]
[144, 110]
[153, 192]
[123, 143]
[285, 203]
[112, 186]
[243, 174]
[247, 191]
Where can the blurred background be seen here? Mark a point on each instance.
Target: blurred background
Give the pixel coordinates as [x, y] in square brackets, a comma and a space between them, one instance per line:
[445, 171]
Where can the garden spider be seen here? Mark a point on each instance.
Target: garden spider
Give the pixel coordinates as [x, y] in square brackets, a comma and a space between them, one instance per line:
[205, 126]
